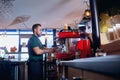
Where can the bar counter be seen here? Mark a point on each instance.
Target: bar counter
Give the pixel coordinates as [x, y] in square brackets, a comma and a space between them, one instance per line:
[107, 65]
[15, 67]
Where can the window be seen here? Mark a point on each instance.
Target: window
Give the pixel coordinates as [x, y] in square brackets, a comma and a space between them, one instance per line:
[9, 41]
[12, 38]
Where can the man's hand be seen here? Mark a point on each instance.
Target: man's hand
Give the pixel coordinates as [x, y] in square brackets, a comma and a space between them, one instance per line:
[51, 50]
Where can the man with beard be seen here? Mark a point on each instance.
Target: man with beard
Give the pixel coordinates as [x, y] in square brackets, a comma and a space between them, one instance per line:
[36, 51]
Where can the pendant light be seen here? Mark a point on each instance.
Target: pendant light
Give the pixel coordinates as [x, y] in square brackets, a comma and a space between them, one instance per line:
[87, 13]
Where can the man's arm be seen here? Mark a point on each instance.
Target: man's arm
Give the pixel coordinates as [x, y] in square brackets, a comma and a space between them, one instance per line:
[39, 51]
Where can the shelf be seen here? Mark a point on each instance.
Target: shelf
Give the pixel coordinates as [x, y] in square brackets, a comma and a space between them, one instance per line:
[51, 70]
[112, 47]
[64, 55]
[68, 35]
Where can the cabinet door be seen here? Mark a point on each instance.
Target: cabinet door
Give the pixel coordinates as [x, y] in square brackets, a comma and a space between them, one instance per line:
[74, 73]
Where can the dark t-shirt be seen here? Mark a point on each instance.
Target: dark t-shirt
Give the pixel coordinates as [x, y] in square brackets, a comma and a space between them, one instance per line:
[34, 42]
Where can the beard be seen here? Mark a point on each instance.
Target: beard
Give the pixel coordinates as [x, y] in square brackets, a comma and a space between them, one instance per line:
[38, 35]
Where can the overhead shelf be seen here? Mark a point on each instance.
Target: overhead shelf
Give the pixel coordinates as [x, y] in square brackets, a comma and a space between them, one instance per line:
[68, 35]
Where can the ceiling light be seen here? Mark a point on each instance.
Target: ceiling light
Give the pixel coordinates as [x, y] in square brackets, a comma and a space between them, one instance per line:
[87, 13]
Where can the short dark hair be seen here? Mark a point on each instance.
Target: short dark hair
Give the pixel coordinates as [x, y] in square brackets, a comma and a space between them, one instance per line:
[35, 26]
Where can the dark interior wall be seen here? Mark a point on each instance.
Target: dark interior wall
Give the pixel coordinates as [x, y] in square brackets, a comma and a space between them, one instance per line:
[112, 7]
